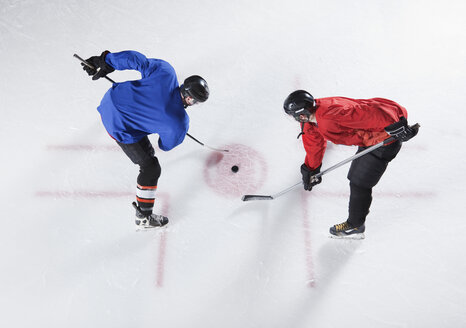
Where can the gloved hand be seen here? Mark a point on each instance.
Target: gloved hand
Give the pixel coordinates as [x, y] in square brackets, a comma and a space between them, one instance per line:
[307, 174]
[401, 130]
[99, 63]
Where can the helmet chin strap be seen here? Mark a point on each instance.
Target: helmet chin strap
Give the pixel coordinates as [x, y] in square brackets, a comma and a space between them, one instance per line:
[311, 119]
[307, 115]
[185, 105]
[302, 130]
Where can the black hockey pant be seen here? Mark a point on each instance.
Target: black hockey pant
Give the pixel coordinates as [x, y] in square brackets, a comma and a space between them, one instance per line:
[142, 154]
[364, 173]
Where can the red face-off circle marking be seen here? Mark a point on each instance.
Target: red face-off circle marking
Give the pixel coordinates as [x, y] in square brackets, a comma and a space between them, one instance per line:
[249, 177]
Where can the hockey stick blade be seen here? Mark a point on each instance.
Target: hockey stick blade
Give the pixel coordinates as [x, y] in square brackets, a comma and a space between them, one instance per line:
[217, 149]
[245, 198]
[203, 144]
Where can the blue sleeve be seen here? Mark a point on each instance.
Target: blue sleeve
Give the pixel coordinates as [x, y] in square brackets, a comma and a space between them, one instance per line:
[170, 144]
[131, 60]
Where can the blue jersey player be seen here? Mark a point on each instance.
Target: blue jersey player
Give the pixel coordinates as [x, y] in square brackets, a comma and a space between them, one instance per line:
[132, 110]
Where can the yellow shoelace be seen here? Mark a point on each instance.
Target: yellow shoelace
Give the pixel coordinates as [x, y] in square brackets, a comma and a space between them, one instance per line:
[342, 226]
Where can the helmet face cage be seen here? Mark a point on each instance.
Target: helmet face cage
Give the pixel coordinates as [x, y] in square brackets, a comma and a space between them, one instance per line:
[185, 92]
[299, 112]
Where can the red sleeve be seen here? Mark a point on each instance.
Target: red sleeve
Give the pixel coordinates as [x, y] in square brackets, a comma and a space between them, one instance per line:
[315, 146]
[367, 114]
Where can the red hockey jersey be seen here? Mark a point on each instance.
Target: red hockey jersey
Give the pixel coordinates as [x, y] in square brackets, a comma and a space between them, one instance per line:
[346, 121]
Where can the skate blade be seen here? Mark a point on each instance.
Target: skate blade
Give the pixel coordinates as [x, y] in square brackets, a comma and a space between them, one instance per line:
[150, 228]
[356, 236]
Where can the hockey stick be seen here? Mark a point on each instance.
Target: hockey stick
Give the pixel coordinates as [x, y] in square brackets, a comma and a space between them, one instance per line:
[109, 79]
[202, 144]
[246, 198]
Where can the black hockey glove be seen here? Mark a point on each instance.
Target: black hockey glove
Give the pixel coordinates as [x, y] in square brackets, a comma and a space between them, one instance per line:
[401, 130]
[308, 180]
[98, 62]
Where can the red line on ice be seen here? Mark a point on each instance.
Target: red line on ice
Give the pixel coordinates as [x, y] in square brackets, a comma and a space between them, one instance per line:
[383, 194]
[163, 241]
[307, 242]
[83, 194]
[83, 147]
[161, 260]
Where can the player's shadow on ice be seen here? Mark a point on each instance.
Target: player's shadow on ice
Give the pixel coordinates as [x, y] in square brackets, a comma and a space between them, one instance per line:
[330, 261]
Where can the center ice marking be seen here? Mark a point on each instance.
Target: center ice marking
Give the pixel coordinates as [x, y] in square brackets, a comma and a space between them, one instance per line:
[240, 171]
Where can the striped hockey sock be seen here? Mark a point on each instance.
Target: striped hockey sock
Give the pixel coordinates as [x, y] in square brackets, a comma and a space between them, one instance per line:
[145, 195]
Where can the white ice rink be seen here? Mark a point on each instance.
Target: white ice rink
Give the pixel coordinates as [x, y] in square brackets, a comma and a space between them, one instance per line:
[69, 252]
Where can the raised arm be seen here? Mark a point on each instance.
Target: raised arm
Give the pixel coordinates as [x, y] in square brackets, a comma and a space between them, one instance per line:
[133, 60]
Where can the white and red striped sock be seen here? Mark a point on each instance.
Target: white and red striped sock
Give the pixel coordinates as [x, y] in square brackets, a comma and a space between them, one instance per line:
[145, 195]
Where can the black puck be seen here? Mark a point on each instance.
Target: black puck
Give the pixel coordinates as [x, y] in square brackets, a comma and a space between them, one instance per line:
[234, 168]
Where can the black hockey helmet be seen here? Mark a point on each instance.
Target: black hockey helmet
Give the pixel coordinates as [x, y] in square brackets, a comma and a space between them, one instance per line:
[195, 87]
[299, 102]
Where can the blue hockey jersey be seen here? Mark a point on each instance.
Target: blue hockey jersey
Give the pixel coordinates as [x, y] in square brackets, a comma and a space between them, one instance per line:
[133, 109]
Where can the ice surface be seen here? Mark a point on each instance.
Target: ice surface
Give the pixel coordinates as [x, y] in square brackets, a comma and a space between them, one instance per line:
[69, 250]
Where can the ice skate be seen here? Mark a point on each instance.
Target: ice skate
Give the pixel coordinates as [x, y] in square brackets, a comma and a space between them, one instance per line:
[149, 221]
[347, 231]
